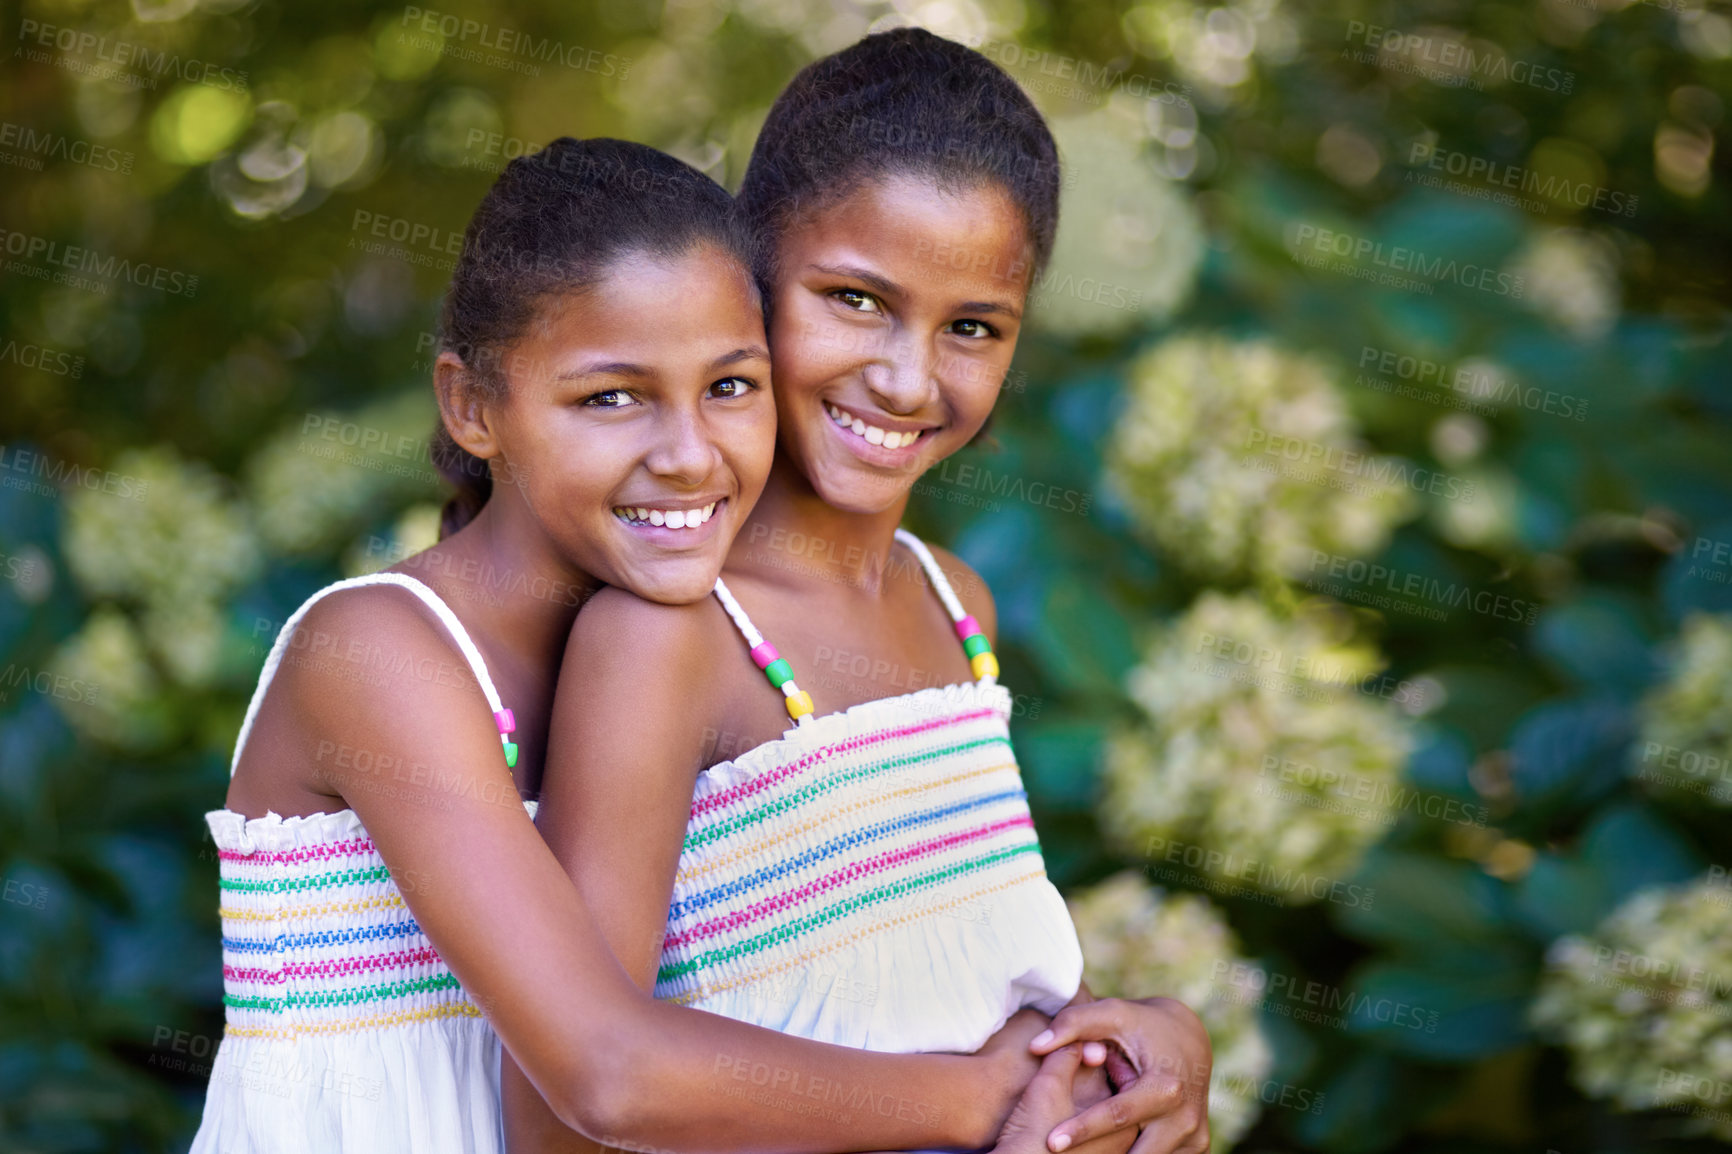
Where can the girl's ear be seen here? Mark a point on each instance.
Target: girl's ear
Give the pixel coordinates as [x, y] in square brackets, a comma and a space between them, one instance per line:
[463, 408]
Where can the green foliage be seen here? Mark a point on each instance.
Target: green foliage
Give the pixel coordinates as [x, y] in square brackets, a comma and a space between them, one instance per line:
[1540, 613]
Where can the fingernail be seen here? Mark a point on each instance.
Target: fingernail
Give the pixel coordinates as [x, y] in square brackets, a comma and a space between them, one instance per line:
[1043, 1039]
[1060, 1143]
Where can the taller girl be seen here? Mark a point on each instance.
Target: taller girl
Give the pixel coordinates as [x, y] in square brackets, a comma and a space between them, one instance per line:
[907, 194]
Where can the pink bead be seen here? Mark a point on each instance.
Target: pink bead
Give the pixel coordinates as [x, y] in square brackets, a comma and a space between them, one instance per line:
[764, 654]
[505, 721]
[968, 627]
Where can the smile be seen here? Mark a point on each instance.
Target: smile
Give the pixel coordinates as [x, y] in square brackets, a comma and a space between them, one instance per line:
[665, 518]
[872, 434]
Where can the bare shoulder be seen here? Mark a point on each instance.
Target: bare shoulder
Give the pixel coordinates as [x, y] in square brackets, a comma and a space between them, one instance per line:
[379, 630]
[970, 590]
[618, 625]
[371, 648]
[368, 666]
[627, 649]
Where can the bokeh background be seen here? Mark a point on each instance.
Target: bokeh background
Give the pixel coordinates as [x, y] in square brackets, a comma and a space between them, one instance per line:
[1359, 508]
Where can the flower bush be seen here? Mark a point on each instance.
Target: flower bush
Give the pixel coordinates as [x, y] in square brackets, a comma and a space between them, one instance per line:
[1137, 938]
[1644, 1003]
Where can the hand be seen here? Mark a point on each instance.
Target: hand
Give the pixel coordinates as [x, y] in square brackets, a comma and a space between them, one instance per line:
[1064, 1084]
[1010, 1066]
[1159, 1059]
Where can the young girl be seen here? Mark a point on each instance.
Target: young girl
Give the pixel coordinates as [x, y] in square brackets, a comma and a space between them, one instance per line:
[386, 901]
[870, 876]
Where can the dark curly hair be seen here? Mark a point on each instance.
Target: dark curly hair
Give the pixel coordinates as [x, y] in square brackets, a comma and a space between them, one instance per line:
[550, 225]
[903, 101]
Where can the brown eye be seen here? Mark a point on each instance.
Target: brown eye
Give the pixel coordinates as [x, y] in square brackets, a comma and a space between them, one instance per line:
[729, 387]
[858, 301]
[610, 399]
[974, 330]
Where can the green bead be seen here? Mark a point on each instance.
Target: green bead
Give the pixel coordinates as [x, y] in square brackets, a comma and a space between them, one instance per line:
[976, 645]
[779, 671]
[511, 755]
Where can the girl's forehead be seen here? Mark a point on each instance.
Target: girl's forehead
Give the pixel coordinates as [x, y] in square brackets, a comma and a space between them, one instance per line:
[930, 231]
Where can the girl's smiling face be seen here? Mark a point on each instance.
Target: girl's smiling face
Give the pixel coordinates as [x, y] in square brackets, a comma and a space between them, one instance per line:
[636, 426]
[895, 312]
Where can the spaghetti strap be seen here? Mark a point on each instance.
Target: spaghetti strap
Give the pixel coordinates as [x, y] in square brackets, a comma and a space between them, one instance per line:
[780, 673]
[981, 661]
[980, 656]
[427, 596]
[940, 583]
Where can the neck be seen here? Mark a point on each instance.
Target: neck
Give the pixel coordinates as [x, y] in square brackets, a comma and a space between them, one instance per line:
[793, 529]
[506, 582]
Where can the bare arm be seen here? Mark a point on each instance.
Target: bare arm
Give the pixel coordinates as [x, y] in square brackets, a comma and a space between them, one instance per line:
[615, 800]
[489, 894]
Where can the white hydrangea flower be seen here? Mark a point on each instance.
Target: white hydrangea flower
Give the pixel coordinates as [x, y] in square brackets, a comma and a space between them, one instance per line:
[110, 690]
[1571, 278]
[188, 637]
[1204, 457]
[1257, 748]
[1644, 1003]
[1129, 243]
[417, 529]
[1138, 941]
[322, 473]
[182, 539]
[1686, 740]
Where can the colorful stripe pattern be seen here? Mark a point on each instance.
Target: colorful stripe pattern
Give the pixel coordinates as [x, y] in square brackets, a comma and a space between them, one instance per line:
[859, 824]
[317, 940]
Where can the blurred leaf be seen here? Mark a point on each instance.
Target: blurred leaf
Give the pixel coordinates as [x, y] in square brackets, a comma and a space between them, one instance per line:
[1569, 754]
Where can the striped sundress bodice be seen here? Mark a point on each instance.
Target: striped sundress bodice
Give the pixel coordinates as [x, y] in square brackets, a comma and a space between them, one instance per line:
[316, 936]
[871, 879]
[345, 1030]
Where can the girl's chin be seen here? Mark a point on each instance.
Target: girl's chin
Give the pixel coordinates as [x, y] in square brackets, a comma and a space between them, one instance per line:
[673, 589]
[858, 491]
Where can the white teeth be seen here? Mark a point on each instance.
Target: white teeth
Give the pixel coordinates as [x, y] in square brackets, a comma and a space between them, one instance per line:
[873, 434]
[671, 518]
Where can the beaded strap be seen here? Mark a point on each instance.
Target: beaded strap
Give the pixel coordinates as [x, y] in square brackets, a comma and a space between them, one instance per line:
[974, 643]
[781, 675]
[764, 655]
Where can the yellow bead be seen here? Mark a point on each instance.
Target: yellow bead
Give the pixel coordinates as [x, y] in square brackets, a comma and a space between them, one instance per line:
[984, 665]
[799, 705]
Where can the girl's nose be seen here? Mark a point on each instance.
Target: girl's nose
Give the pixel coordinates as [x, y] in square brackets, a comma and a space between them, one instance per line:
[905, 379]
[685, 451]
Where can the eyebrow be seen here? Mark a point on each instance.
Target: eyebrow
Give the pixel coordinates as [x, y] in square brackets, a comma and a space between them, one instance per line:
[880, 284]
[604, 368]
[874, 281]
[989, 307]
[743, 353]
[629, 369]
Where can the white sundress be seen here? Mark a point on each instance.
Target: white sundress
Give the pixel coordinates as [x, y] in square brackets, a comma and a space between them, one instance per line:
[345, 1029]
[872, 879]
